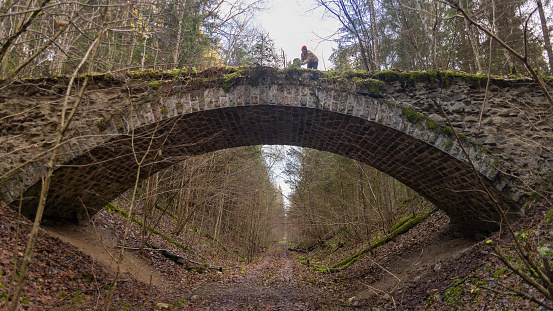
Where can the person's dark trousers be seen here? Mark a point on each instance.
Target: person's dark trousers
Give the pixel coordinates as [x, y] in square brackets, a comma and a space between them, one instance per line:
[312, 65]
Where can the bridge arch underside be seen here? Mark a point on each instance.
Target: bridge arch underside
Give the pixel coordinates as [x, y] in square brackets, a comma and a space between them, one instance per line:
[102, 173]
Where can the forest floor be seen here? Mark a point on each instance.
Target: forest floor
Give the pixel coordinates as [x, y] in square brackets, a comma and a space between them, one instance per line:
[428, 268]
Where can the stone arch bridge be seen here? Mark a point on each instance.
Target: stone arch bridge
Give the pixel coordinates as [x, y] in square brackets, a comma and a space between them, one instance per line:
[389, 120]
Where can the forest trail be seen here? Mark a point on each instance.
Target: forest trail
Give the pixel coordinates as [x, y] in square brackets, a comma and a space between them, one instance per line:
[267, 284]
[274, 281]
[426, 259]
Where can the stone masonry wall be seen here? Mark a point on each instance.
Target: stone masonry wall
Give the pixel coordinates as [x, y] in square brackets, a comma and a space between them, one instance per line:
[512, 149]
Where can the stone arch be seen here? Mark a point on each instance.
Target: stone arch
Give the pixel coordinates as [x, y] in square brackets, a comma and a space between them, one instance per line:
[181, 121]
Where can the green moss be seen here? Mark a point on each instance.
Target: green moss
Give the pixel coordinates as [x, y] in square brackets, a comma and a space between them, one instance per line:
[388, 75]
[372, 86]
[154, 85]
[451, 295]
[446, 130]
[478, 80]
[179, 303]
[179, 106]
[361, 74]
[431, 124]
[421, 76]
[230, 79]
[499, 272]
[408, 78]
[513, 71]
[112, 208]
[402, 222]
[448, 144]
[289, 74]
[412, 115]
[548, 218]
[331, 76]
[357, 80]
[164, 111]
[433, 76]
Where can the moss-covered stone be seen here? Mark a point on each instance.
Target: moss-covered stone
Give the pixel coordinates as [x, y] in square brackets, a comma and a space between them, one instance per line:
[431, 124]
[446, 130]
[230, 79]
[371, 86]
[412, 115]
[356, 74]
[388, 75]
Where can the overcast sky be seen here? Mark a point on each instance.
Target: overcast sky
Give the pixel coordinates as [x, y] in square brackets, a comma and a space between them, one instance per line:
[293, 24]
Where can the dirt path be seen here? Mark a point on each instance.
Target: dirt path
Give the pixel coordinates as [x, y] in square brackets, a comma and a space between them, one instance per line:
[275, 280]
[413, 266]
[98, 244]
[267, 284]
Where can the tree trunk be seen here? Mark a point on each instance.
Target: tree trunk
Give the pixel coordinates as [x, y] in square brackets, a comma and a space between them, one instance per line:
[473, 44]
[374, 36]
[546, 37]
[176, 55]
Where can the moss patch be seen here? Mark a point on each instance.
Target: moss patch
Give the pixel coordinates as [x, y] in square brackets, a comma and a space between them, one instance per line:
[154, 85]
[446, 130]
[548, 218]
[368, 85]
[230, 79]
[412, 115]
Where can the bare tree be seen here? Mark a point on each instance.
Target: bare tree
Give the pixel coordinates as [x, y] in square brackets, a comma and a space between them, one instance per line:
[64, 125]
[546, 36]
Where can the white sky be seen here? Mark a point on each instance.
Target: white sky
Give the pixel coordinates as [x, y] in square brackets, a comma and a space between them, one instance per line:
[292, 24]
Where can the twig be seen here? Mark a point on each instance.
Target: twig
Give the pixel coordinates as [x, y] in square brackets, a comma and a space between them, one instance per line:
[143, 248]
